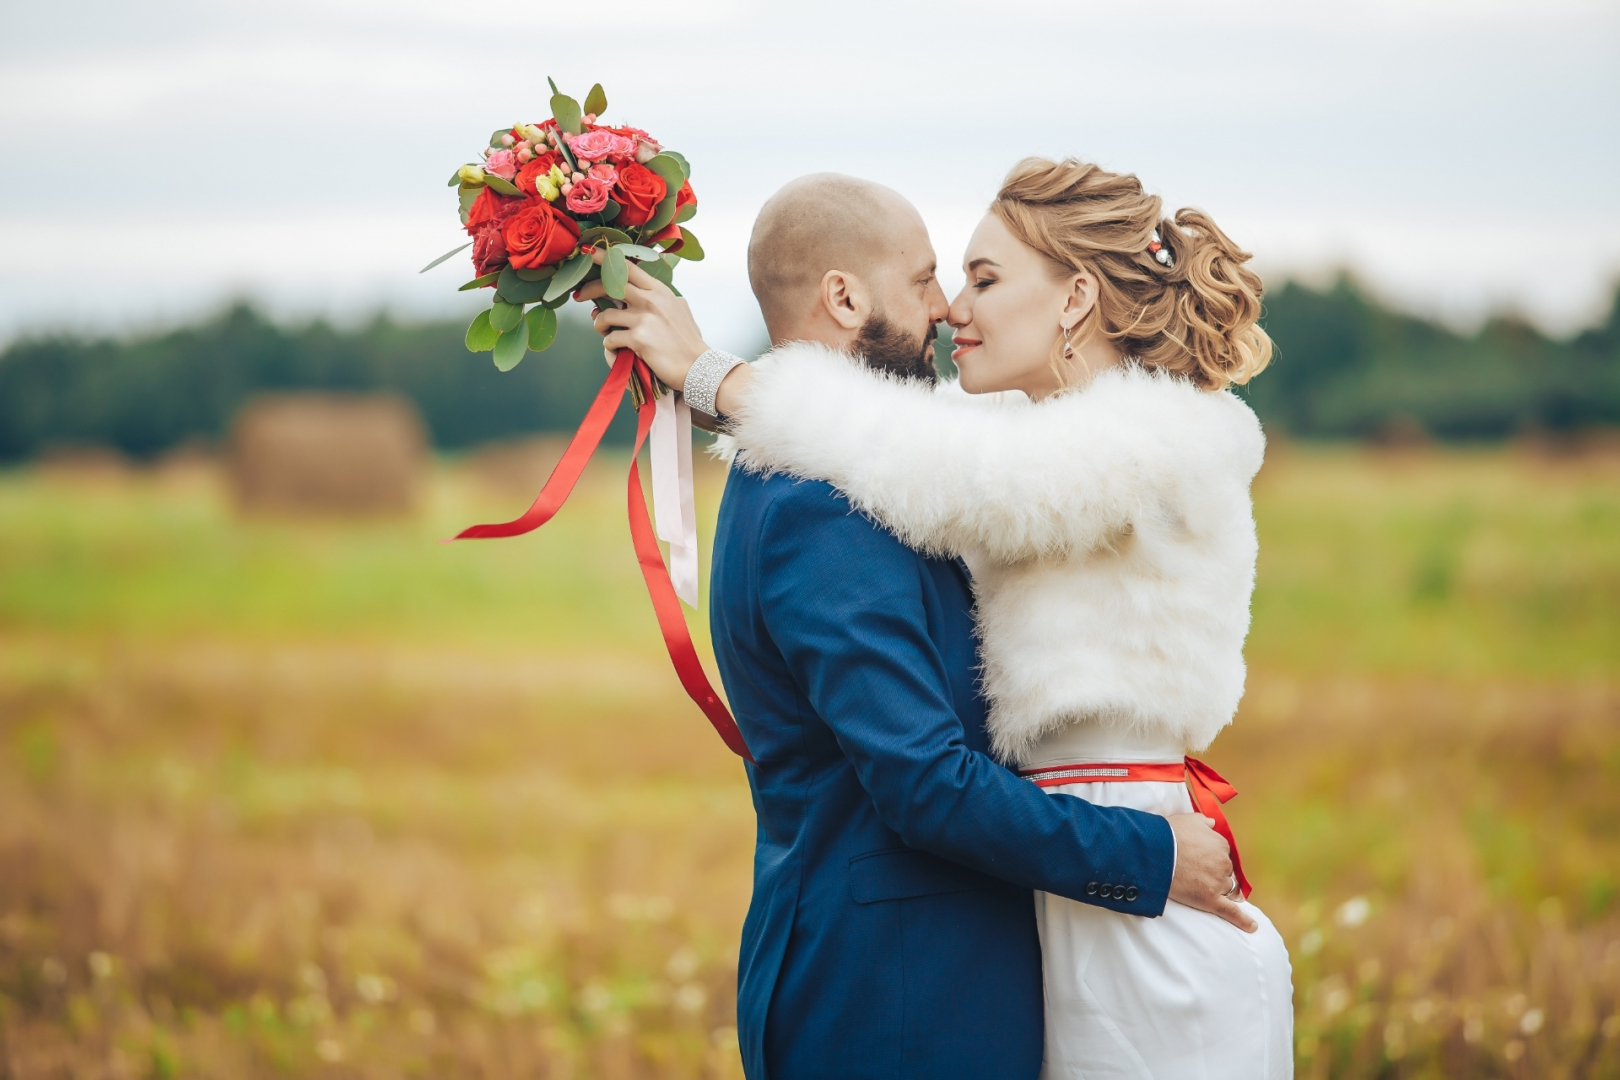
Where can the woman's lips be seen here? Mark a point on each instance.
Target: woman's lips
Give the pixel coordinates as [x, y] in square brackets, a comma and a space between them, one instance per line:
[962, 346]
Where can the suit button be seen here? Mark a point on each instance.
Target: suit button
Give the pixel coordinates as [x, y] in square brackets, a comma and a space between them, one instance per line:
[1091, 889]
[1119, 892]
[1130, 893]
[1107, 890]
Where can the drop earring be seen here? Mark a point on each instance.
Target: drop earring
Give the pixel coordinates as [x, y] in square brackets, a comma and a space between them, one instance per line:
[1068, 345]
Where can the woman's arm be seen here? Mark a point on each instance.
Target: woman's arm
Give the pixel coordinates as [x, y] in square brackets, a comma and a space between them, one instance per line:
[952, 474]
[658, 326]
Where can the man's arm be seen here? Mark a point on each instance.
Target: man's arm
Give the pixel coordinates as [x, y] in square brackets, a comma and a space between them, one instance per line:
[843, 602]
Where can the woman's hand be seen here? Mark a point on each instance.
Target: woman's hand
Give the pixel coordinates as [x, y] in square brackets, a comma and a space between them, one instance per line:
[654, 322]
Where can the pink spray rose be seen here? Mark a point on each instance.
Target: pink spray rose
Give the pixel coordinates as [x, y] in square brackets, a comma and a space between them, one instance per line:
[587, 195]
[605, 173]
[601, 143]
[503, 163]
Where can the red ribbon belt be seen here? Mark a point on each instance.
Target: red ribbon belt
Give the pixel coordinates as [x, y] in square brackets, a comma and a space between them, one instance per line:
[1207, 787]
[667, 607]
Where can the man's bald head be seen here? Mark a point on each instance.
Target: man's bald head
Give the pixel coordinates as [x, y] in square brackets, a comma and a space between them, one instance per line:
[818, 223]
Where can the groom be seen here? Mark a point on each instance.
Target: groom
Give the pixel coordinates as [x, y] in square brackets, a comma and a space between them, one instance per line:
[892, 931]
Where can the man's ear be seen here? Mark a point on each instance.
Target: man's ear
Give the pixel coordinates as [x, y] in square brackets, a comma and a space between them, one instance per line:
[845, 298]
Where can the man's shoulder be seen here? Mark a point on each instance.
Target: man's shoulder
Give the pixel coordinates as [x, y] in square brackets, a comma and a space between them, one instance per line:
[796, 516]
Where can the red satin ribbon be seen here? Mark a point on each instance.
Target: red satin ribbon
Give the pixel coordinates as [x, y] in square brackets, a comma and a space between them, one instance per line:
[1207, 787]
[666, 606]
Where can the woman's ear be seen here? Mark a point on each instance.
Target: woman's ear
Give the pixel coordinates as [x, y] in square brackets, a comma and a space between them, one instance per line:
[1080, 301]
[845, 298]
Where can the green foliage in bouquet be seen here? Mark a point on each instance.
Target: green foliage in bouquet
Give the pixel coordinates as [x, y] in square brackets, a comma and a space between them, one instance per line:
[546, 199]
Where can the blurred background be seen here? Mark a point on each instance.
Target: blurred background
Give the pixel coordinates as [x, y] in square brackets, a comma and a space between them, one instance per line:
[288, 788]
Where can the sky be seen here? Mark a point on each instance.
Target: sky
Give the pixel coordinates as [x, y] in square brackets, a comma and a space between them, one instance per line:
[1461, 157]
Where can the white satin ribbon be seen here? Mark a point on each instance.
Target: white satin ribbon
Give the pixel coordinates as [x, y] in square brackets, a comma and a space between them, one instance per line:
[674, 509]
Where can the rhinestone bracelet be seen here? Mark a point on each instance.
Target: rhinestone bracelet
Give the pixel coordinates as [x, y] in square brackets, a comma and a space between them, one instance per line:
[704, 378]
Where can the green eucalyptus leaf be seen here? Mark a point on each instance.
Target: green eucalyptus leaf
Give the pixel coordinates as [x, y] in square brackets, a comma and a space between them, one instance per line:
[539, 273]
[480, 335]
[661, 216]
[669, 168]
[686, 213]
[567, 112]
[505, 187]
[615, 272]
[596, 101]
[569, 274]
[495, 136]
[504, 316]
[511, 348]
[686, 168]
[446, 255]
[661, 270]
[469, 195]
[480, 282]
[610, 211]
[553, 83]
[514, 290]
[555, 302]
[639, 252]
[602, 232]
[542, 328]
[690, 249]
[455, 178]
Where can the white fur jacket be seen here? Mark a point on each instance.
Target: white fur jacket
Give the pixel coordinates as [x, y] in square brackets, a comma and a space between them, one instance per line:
[1109, 530]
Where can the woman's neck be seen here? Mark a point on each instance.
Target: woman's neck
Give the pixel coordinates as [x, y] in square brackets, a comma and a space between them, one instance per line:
[1076, 372]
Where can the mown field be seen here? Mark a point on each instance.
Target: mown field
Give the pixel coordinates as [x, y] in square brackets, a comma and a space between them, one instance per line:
[311, 798]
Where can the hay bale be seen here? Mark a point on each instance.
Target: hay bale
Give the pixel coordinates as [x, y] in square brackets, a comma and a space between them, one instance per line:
[515, 466]
[327, 453]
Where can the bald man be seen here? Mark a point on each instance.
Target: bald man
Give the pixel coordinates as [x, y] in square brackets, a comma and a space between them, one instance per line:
[892, 930]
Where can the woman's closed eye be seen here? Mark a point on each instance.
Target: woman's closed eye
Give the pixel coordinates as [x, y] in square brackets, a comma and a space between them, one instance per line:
[984, 283]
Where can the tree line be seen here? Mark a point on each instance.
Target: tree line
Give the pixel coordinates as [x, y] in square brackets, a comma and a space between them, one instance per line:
[1346, 367]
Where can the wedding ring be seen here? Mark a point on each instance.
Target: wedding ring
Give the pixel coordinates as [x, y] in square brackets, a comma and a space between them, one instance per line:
[1234, 887]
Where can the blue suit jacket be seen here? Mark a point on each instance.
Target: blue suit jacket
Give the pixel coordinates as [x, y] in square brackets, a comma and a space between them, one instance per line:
[892, 931]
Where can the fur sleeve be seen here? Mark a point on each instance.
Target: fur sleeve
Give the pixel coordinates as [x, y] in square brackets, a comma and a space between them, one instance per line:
[952, 474]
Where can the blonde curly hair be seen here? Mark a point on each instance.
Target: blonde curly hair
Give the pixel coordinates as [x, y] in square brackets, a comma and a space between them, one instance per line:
[1197, 317]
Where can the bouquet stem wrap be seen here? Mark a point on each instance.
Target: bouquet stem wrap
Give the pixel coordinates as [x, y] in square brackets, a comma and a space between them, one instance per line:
[677, 524]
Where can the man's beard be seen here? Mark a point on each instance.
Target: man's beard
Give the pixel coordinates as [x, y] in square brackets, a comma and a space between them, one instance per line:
[884, 346]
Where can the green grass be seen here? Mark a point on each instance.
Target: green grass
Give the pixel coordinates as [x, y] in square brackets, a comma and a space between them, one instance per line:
[302, 797]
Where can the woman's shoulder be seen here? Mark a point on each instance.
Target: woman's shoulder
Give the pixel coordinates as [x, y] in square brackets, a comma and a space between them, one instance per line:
[1215, 426]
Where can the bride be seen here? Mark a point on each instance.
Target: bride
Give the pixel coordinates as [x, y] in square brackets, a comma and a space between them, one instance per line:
[1104, 512]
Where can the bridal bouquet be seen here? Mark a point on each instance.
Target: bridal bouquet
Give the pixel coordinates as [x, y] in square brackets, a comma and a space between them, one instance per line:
[540, 206]
[545, 197]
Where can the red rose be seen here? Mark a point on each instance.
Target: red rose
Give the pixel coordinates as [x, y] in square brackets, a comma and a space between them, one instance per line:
[685, 196]
[638, 191]
[539, 235]
[669, 236]
[489, 250]
[488, 206]
[538, 166]
[489, 246]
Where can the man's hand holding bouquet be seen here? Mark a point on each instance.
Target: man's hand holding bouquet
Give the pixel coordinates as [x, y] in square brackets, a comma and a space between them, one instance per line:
[553, 207]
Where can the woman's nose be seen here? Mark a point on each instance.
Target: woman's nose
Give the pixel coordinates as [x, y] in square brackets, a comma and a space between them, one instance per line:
[959, 314]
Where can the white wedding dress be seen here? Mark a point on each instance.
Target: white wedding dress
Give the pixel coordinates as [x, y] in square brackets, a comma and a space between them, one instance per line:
[1111, 538]
[1184, 995]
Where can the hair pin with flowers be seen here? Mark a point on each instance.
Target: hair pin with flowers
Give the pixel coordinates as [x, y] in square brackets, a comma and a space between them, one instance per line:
[545, 197]
[1160, 253]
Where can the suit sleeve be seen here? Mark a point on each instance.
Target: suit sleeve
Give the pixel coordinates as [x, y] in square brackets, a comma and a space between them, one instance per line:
[844, 603]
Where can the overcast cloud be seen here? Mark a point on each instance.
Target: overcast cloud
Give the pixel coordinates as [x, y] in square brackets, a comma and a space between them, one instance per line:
[160, 158]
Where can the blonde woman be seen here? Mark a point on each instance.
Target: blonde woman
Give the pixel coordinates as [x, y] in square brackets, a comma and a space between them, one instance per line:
[1105, 515]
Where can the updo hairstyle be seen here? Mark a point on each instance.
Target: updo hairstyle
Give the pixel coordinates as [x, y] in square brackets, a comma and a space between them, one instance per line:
[1197, 317]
